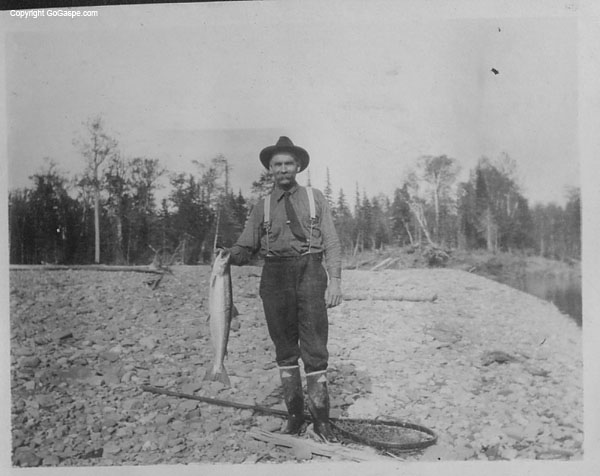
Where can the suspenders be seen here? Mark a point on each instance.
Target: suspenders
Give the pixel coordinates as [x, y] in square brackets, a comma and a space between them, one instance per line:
[312, 210]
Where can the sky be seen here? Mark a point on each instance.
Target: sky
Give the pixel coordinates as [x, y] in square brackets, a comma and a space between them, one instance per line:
[364, 92]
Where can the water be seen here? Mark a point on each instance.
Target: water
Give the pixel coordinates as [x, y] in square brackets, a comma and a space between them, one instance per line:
[563, 289]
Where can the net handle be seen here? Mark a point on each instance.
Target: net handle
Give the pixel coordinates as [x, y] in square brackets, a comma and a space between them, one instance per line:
[352, 436]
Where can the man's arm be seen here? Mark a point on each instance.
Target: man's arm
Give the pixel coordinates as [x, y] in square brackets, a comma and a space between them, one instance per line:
[333, 294]
[333, 256]
[249, 241]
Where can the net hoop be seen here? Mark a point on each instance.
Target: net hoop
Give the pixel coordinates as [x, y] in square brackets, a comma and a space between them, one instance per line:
[385, 445]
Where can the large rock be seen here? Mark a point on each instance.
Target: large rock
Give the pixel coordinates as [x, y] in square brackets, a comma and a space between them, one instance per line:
[33, 361]
[26, 458]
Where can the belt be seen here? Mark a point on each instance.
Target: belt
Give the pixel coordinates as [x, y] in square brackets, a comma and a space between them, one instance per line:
[315, 256]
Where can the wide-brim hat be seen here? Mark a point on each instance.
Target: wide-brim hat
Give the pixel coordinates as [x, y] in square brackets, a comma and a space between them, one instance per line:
[284, 144]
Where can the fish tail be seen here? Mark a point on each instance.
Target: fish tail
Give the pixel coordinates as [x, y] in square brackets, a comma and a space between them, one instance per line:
[219, 375]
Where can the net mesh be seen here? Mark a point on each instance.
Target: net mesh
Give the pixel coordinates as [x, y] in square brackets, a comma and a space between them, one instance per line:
[383, 435]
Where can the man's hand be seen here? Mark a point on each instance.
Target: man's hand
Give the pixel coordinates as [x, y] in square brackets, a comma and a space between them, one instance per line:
[224, 252]
[333, 294]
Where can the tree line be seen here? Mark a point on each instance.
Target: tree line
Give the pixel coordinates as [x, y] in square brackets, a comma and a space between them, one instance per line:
[488, 211]
[110, 213]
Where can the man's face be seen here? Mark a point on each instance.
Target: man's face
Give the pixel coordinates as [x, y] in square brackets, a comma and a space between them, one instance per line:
[284, 168]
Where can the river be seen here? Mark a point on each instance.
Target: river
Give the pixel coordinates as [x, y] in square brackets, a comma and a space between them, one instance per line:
[562, 288]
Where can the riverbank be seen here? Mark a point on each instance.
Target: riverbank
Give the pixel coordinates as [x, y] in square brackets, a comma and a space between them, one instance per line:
[481, 262]
[495, 372]
[555, 281]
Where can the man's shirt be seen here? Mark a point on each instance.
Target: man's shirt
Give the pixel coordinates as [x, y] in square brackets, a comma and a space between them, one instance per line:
[281, 241]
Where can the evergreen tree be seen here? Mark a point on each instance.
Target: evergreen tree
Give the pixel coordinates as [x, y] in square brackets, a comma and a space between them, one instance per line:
[116, 183]
[43, 221]
[192, 219]
[263, 186]
[144, 231]
[468, 226]
[365, 222]
[486, 222]
[344, 223]
[380, 221]
[501, 208]
[21, 234]
[401, 218]
[328, 192]
[573, 223]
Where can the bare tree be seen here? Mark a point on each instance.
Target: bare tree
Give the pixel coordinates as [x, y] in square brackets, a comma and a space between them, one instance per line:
[210, 175]
[96, 147]
[416, 203]
[439, 173]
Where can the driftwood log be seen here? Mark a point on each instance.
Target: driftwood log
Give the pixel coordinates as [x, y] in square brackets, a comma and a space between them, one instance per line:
[351, 296]
[85, 267]
[305, 448]
[386, 263]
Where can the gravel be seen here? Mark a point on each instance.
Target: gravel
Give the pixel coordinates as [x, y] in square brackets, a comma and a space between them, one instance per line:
[496, 373]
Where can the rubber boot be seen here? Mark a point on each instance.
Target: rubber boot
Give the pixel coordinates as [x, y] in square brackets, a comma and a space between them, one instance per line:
[294, 399]
[318, 404]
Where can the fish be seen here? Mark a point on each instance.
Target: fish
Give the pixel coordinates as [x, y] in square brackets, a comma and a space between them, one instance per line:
[221, 310]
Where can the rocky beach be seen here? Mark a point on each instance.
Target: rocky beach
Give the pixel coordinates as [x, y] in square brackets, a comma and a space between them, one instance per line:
[495, 372]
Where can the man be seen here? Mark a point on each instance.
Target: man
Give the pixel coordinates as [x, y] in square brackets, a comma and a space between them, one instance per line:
[294, 287]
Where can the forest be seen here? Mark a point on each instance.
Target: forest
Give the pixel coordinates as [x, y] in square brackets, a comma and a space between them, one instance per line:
[110, 213]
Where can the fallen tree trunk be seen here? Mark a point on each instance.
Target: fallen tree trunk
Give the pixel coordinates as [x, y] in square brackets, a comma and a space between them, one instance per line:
[84, 267]
[374, 296]
[386, 263]
[381, 264]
